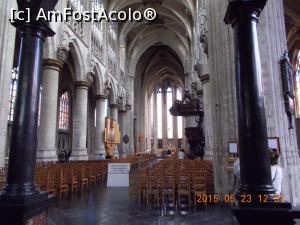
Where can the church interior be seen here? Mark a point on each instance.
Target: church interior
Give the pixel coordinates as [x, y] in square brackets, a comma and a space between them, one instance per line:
[144, 122]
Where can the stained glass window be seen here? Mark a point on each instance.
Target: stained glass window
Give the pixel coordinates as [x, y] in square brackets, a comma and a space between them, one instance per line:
[159, 114]
[40, 106]
[64, 111]
[179, 118]
[169, 116]
[13, 94]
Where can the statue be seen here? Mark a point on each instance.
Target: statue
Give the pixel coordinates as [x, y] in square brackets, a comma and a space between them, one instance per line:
[288, 71]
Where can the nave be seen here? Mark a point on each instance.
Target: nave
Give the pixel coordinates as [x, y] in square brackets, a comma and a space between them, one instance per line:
[216, 80]
[103, 205]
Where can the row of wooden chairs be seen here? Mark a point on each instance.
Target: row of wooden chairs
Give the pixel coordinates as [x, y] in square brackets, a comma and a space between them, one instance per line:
[173, 179]
[2, 178]
[59, 178]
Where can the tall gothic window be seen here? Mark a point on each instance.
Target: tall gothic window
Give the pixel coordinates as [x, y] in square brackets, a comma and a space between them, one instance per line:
[13, 94]
[112, 48]
[40, 105]
[159, 114]
[97, 5]
[163, 100]
[64, 111]
[151, 116]
[298, 85]
[97, 31]
[179, 118]
[169, 116]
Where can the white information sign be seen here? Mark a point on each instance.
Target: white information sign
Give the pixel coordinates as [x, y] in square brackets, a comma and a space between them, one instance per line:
[118, 174]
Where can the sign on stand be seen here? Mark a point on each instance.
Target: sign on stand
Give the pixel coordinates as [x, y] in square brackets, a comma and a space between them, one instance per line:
[118, 175]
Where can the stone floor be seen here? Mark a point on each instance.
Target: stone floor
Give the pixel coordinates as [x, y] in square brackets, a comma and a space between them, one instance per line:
[111, 206]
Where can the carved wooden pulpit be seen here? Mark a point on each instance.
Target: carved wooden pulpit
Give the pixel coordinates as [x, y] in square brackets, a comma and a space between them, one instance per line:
[191, 106]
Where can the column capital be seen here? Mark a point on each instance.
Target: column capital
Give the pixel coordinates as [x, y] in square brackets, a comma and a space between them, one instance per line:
[204, 78]
[62, 53]
[100, 97]
[114, 105]
[187, 74]
[55, 64]
[241, 9]
[128, 107]
[82, 84]
[123, 111]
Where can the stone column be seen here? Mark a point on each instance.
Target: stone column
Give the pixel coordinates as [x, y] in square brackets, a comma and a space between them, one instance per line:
[155, 144]
[164, 118]
[272, 49]
[100, 127]
[124, 119]
[149, 129]
[114, 110]
[129, 130]
[79, 145]
[204, 77]
[223, 94]
[46, 150]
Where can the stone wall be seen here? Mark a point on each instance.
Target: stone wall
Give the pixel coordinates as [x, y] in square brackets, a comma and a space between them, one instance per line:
[272, 44]
[221, 91]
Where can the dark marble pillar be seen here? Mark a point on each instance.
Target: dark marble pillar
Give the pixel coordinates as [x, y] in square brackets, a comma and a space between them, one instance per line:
[24, 142]
[256, 205]
[253, 139]
[21, 200]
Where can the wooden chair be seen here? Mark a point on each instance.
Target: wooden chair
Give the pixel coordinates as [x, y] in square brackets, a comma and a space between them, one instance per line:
[60, 180]
[71, 178]
[45, 181]
[142, 186]
[81, 176]
[199, 187]
[99, 172]
[168, 189]
[184, 188]
[153, 189]
[90, 174]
